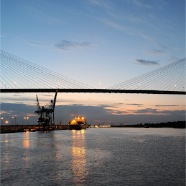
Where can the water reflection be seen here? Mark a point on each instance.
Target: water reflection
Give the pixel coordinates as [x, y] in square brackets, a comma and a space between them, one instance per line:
[79, 167]
[26, 140]
[5, 159]
[26, 145]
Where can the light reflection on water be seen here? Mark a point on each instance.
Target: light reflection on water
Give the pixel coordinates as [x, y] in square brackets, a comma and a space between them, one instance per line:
[26, 140]
[94, 157]
[6, 154]
[79, 156]
[26, 145]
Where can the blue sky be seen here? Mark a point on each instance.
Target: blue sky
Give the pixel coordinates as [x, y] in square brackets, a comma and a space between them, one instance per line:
[105, 41]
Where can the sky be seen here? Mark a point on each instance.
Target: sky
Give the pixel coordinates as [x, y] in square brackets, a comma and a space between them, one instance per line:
[99, 43]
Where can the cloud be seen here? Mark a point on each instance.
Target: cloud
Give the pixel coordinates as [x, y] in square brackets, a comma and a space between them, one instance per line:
[146, 62]
[147, 111]
[157, 52]
[148, 4]
[129, 30]
[119, 26]
[38, 14]
[93, 114]
[64, 44]
[135, 104]
[105, 5]
[174, 112]
[152, 111]
[95, 2]
[141, 4]
[36, 45]
[144, 111]
[116, 112]
[5, 112]
[166, 105]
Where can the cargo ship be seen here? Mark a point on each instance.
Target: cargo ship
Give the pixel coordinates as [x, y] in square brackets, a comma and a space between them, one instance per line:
[78, 123]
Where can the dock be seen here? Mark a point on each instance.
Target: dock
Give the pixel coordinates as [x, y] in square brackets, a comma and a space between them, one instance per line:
[31, 128]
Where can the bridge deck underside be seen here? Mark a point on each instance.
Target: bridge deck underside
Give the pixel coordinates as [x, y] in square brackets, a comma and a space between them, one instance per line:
[92, 91]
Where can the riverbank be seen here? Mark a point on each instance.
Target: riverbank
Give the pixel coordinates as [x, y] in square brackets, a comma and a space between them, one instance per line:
[174, 124]
[34, 128]
[30, 128]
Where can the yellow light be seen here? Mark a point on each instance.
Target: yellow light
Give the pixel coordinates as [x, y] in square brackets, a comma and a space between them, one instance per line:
[73, 122]
[82, 131]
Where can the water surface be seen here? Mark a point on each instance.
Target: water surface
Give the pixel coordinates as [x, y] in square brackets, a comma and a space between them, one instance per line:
[112, 156]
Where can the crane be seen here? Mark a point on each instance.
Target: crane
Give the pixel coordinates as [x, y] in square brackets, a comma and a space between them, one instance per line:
[46, 117]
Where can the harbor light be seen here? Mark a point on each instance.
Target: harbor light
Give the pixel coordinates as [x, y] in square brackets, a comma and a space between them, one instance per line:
[26, 118]
[2, 120]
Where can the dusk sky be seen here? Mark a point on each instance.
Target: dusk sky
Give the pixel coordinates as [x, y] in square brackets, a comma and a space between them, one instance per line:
[99, 43]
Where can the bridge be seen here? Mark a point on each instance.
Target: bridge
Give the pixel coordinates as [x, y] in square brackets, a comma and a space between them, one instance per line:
[21, 76]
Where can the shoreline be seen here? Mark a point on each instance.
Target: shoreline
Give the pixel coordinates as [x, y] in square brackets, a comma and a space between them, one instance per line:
[34, 128]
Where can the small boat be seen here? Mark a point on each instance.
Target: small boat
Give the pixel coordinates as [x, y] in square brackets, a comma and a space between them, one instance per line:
[78, 123]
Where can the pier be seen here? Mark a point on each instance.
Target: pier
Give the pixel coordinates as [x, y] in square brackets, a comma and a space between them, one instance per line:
[31, 128]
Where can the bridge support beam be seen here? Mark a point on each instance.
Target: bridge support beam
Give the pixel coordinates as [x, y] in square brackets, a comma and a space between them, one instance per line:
[92, 91]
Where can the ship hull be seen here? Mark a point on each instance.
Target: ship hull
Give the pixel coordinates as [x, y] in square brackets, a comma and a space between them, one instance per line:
[77, 127]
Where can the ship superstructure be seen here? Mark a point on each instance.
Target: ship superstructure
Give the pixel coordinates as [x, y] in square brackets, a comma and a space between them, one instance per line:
[78, 123]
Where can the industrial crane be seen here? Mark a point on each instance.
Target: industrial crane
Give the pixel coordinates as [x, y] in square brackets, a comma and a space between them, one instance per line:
[46, 114]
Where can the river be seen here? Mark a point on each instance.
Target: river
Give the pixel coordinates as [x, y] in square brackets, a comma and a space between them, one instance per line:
[96, 156]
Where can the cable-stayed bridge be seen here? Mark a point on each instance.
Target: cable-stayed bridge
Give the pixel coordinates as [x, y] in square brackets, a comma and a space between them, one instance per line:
[19, 75]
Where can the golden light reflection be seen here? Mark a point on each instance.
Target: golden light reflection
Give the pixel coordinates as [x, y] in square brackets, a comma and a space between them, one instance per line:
[79, 156]
[26, 145]
[26, 140]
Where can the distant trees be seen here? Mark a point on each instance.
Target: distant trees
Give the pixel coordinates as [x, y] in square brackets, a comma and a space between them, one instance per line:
[170, 124]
